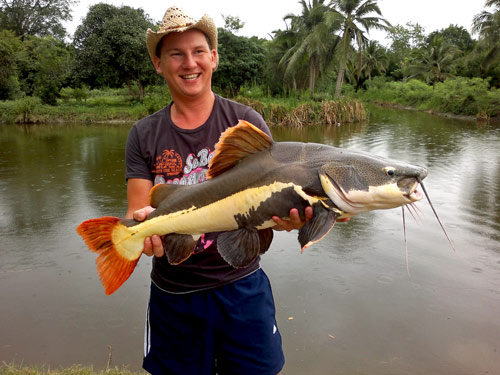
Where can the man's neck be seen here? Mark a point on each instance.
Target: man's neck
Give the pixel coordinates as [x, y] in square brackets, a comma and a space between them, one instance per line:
[189, 114]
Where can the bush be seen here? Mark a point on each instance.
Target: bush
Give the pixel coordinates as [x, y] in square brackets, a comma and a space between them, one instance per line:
[464, 96]
[461, 96]
[23, 110]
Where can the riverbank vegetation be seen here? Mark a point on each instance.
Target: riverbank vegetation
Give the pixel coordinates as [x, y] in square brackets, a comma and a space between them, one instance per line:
[323, 60]
[11, 369]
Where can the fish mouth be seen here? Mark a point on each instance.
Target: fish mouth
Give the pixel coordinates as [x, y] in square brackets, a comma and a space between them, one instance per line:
[409, 187]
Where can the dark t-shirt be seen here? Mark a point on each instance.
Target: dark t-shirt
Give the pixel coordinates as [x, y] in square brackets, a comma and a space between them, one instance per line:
[159, 151]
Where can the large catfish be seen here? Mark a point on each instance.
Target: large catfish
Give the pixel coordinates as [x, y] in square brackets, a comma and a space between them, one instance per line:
[250, 180]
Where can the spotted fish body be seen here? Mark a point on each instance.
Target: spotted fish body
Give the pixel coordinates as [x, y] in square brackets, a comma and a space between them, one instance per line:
[250, 180]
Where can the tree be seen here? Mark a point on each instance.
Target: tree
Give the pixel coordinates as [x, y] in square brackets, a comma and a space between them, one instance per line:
[375, 59]
[282, 41]
[487, 24]
[40, 17]
[456, 35]
[241, 62]
[354, 16]
[232, 24]
[111, 48]
[434, 62]
[9, 44]
[404, 39]
[315, 40]
[43, 64]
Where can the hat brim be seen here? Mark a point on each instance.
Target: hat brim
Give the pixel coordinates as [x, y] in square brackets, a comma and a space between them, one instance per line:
[205, 25]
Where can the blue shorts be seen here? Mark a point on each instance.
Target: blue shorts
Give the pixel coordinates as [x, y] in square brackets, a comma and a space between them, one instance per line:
[226, 330]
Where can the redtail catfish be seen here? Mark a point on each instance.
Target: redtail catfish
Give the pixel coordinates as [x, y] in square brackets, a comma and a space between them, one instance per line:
[250, 179]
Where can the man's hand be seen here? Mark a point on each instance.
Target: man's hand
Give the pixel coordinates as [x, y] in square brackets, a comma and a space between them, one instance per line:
[295, 222]
[152, 245]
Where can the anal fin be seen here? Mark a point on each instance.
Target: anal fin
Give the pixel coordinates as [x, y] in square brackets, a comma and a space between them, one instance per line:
[240, 247]
[318, 227]
[178, 247]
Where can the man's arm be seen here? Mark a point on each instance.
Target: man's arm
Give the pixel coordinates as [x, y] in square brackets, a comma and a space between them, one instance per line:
[138, 208]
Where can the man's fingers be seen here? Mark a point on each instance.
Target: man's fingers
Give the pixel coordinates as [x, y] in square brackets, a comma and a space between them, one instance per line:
[294, 221]
[153, 246]
[148, 247]
[157, 246]
[141, 214]
[309, 213]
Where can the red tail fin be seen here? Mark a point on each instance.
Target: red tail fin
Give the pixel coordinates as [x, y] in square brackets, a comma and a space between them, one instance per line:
[113, 268]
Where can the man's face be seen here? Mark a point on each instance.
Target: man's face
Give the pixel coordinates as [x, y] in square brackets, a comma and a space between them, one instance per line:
[186, 62]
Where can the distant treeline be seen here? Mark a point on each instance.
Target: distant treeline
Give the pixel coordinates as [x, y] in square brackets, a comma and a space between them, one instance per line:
[322, 53]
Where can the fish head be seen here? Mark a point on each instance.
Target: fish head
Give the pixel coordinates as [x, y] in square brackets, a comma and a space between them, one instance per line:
[360, 182]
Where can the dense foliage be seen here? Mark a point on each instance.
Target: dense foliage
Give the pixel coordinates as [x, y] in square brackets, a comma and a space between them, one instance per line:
[241, 61]
[41, 17]
[111, 49]
[323, 52]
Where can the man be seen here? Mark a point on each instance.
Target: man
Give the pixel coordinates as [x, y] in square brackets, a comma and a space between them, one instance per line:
[204, 316]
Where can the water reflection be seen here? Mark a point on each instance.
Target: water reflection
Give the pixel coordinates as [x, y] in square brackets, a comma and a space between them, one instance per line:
[354, 308]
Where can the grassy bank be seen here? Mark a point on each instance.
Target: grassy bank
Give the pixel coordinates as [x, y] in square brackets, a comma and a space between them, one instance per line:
[288, 113]
[115, 105]
[459, 96]
[111, 105]
[8, 369]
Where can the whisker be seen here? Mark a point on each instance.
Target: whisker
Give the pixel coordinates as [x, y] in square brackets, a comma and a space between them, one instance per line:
[406, 241]
[417, 209]
[414, 213]
[437, 217]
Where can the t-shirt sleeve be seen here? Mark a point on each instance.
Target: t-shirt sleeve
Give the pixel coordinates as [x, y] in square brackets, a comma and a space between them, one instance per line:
[135, 162]
[254, 117]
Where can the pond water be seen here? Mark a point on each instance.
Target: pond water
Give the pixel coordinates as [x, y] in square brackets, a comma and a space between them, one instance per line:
[345, 306]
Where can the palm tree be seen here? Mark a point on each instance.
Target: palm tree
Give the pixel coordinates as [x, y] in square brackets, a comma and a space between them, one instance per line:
[375, 58]
[354, 15]
[487, 25]
[435, 61]
[315, 40]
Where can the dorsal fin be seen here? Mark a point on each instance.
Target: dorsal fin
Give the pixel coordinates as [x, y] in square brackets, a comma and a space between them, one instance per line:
[159, 192]
[235, 144]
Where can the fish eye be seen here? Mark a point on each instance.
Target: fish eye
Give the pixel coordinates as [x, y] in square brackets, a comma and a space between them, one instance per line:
[390, 171]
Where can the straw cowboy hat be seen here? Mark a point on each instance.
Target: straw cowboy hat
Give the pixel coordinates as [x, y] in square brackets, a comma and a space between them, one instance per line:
[177, 20]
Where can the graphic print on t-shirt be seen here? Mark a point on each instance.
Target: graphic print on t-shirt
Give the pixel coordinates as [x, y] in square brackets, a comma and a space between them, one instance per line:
[193, 170]
[169, 163]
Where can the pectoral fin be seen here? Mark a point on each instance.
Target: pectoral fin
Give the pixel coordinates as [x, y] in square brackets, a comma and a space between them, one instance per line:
[178, 247]
[239, 247]
[318, 227]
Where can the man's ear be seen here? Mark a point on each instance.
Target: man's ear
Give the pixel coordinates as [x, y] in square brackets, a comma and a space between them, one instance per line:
[214, 59]
[157, 64]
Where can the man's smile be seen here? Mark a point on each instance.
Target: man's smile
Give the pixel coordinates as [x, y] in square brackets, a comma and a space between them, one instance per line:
[190, 77]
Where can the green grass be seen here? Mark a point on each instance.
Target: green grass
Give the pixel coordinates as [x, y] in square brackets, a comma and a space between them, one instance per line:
[12, 369]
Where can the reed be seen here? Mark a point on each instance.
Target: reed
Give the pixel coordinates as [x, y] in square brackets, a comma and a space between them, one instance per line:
[327, 112]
